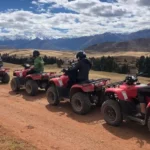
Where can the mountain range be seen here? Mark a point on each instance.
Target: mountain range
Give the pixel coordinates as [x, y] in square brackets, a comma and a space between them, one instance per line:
[141, 44]
[108, 40]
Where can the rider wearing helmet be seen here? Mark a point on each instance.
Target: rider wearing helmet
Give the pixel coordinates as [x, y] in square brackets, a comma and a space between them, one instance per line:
[130, 80]
[142, 93]
[38, 63]
[82, 67]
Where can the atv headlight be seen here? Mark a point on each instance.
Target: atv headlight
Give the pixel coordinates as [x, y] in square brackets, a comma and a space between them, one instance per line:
[124, 95]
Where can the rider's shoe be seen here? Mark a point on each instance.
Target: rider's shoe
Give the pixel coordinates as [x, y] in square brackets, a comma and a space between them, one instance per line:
[140, 116]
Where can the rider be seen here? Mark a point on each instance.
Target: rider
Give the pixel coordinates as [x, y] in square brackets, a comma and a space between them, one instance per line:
[142, 93]
[38, 63]
[82, 67]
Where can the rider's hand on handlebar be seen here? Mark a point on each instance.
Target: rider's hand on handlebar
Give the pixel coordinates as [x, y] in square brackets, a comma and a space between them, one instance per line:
[64, 70]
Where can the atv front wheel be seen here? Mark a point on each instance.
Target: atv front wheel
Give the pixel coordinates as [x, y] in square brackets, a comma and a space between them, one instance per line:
[6, 78]
[80, 103]
[15, 84]
[52, 96]
[31, 87]
[112, 113]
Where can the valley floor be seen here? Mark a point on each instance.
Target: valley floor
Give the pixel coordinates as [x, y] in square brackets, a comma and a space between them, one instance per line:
[58, 128]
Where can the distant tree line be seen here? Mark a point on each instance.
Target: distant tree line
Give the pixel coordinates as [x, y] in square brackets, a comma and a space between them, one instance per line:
[108, 64]
[143, 65]
[14, 59]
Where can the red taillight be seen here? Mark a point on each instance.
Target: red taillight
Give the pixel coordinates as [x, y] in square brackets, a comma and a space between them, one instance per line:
[7, 70]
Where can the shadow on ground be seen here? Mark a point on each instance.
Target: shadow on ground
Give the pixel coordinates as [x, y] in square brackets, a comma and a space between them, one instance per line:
[130, 130]
[22, 93]
[64, 108]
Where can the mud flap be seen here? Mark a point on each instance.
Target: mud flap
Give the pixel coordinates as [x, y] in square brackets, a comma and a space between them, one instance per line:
[63, 92]
[22, 82]
[127, 107]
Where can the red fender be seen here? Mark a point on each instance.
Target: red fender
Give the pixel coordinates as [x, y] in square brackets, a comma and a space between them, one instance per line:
[84, 87]
[121, 94]
[34, 76]
[148, 106]
[4, 69]
[61, 81]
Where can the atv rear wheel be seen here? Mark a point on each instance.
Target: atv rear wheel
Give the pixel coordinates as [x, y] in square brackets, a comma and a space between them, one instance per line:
[31, 87]
[52, 96]
[112, 113]
[148, 123]
[15, 84]
[80, 103]
[6, 78]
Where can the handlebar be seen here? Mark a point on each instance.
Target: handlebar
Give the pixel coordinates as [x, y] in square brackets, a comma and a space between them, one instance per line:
[26, 66]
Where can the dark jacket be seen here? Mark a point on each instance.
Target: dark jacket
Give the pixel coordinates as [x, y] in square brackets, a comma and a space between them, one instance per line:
[83, 67]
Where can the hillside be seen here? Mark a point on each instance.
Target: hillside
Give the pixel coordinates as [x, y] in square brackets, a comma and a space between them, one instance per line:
[71, 54]
[142, 44]
[72, 43]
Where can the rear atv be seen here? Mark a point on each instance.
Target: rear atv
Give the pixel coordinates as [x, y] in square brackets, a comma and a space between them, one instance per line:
[31, 82]
[122, 104]
[4, 76]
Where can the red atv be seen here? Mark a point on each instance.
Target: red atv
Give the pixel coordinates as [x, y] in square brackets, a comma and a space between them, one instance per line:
[82, 95]
[122, 104]
[4, 76]
[31, 82]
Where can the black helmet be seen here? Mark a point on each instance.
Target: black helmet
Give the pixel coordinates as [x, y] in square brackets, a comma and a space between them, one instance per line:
[80, 55]
[36, 53]
[131, 79]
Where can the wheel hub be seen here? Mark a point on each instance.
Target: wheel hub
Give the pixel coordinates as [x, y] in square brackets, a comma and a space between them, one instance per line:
[51, 96]
[111, 113]
[78, 104]
[28, 88]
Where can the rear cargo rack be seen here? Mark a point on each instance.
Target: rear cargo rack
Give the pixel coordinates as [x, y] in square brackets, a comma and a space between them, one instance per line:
[115, 83]
[94, 81]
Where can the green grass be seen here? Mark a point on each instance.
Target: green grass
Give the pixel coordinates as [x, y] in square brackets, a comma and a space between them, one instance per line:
[9, 142]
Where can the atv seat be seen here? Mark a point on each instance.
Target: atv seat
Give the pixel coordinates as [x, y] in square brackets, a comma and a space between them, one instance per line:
[84, 82]
[94, 81]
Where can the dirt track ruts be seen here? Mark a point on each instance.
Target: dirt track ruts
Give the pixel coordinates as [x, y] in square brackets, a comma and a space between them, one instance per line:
[58, 128]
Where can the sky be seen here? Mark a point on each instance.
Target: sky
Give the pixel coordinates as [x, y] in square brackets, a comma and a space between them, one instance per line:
[47, 19]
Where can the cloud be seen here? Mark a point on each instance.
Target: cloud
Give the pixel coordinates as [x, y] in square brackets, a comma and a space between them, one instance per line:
[95, 8]
[144, 2]
[92, 17]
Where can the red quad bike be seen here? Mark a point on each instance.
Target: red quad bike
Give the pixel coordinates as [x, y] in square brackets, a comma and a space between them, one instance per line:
[4, 76]
[31, 82]
[82, 96]
[122, 104]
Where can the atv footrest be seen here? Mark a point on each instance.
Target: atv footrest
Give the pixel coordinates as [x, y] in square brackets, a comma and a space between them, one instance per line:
[141, 121]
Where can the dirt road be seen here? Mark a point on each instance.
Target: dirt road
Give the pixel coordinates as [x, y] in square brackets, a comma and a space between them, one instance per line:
[58, 128]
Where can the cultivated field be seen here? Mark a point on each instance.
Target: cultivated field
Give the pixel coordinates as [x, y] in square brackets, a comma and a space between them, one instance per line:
[70, 54]
[44, 127]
